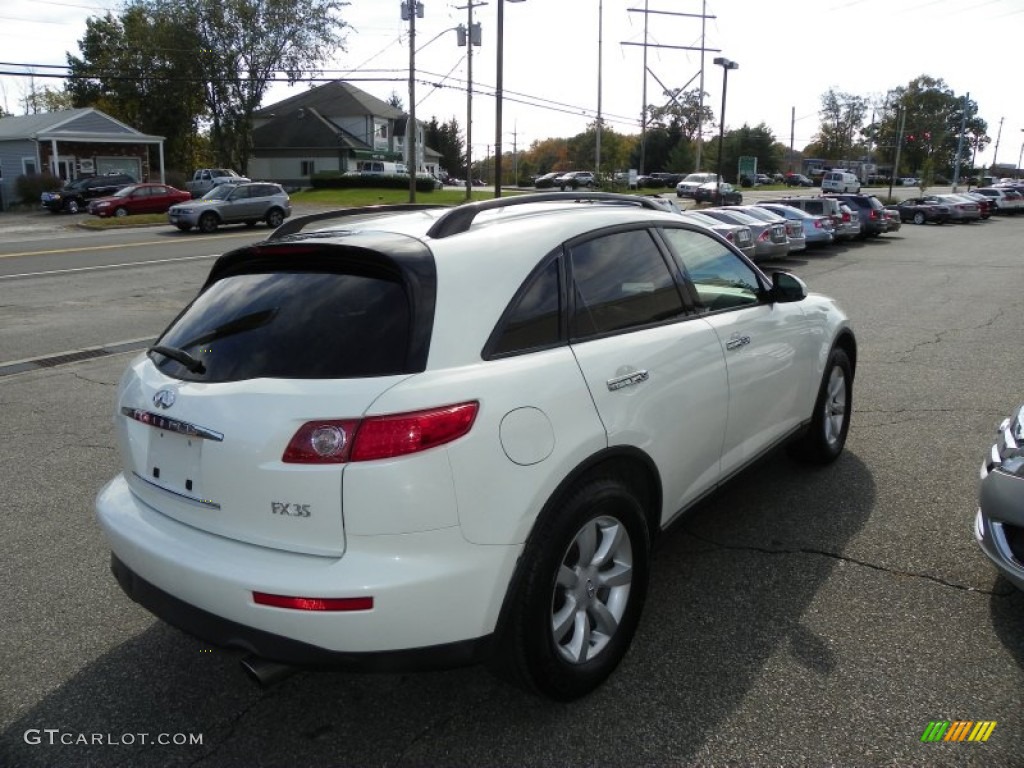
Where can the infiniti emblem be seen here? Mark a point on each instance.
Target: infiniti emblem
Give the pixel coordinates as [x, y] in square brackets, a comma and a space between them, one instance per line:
[164, 398]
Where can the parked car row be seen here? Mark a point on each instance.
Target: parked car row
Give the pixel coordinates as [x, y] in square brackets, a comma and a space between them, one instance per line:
[75, 195]
[567, 180]
[789, 224]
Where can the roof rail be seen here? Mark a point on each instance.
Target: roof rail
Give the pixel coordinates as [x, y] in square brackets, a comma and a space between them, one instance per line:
[460, 219]
[298, 223]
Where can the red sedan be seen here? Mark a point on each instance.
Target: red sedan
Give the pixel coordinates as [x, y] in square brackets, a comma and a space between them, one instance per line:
[139, 198]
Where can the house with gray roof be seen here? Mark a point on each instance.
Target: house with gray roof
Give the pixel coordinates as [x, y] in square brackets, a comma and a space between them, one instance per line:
[329, 128]
[73, 143]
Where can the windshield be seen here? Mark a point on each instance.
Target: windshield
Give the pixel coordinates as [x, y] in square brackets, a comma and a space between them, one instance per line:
[220, 192]
[126, 192]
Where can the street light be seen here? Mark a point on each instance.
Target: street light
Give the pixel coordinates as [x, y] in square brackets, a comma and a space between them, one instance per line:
[726, 65]
[497, 95]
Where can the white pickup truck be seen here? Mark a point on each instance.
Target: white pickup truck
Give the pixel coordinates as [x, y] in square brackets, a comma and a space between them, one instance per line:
[206, 179]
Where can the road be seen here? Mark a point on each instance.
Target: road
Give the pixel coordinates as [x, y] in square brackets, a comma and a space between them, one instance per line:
[803, 618]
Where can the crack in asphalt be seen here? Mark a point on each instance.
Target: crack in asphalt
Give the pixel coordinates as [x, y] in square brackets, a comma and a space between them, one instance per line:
[853, 561]
[83, 377]
[436, 725]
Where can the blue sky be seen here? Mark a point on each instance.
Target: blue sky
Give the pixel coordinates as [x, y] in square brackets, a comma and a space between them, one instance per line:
[789, 53]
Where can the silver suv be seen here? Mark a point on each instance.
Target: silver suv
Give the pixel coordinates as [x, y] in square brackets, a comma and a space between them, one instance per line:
[246, 204]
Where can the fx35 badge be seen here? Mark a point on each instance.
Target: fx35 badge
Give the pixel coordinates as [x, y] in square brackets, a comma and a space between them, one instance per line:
[292, 510]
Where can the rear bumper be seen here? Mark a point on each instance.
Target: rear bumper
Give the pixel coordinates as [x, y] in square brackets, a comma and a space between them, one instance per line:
[224, 633]
[434, 594]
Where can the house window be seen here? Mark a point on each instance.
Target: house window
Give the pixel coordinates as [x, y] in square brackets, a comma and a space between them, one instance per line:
[307, 168]
[28, 166]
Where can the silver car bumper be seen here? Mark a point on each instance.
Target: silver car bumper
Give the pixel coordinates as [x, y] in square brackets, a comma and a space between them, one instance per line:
[999, 522]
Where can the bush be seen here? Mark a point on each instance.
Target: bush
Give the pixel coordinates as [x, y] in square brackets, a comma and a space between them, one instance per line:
[176, 179]
[338, 180]
[746, 182]
[30, 188]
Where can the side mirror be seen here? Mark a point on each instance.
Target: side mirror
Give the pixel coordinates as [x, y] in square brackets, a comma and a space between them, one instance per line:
[787, 287]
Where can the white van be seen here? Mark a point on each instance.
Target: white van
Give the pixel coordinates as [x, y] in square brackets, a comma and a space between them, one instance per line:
[840, 181]
[380, 167]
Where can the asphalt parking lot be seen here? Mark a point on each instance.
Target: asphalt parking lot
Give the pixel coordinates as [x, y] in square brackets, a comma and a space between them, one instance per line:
[799, 618]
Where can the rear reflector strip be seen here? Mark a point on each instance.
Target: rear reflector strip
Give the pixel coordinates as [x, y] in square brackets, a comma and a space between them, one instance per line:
[314, 603]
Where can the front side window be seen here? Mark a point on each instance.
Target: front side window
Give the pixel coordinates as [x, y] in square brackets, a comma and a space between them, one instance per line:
[721, 278]
[621, 281]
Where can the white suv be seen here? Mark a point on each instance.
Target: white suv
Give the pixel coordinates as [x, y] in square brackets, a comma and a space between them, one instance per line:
[449, 435]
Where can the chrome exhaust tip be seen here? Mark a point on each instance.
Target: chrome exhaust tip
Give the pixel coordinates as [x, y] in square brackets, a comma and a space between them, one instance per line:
[267, 673]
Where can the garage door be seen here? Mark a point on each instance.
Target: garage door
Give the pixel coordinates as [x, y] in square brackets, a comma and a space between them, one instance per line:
[130, 165]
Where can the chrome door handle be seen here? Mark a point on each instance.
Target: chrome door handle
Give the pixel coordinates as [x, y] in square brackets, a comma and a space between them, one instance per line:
[737, 341]
[631, 378]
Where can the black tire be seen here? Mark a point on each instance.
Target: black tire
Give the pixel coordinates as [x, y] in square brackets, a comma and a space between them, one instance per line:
[120, 212]
[554, 638]
[919, 218]
[208, 223]
[71, 206]
[830, 424]
[275, 216]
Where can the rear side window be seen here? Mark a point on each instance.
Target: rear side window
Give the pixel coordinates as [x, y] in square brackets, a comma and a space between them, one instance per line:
[293, 325]
[533, 320]
[621, 281]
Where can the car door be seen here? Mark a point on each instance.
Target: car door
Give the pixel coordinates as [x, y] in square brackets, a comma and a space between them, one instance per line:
[156, 199]
[655, 371]
[769, 348]
[240, 204]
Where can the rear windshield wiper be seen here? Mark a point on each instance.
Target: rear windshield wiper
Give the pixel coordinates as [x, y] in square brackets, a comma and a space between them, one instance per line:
[179, 355]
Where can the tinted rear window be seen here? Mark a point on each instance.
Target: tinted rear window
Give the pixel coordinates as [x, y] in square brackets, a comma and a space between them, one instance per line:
[297, 325]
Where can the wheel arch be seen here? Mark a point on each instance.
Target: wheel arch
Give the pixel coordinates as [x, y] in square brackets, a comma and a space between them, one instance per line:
[627, 463]
[848, 343]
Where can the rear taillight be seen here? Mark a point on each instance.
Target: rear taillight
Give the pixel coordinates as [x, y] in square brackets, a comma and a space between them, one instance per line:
[764, 236]
[336, 441]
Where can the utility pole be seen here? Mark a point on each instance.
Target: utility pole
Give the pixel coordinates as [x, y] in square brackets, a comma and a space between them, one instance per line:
[643, 105]
[646, 11]
[899, 143]
[470, 36]
[995, 152]
[960, 144]
[597, 126]
[792, 137]
[700, 109]
[411, 10]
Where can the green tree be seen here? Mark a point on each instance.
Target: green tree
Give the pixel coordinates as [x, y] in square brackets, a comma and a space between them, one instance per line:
[446, 139]
[244, 45]
[758, 142]
[932, 115]
[141, 68]
[842, 117]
